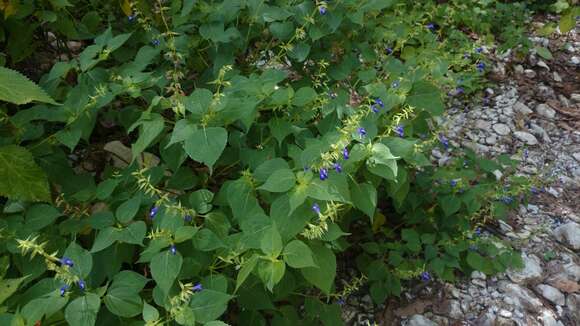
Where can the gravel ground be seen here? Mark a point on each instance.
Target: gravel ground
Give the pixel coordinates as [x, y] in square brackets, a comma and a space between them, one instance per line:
[533, 114]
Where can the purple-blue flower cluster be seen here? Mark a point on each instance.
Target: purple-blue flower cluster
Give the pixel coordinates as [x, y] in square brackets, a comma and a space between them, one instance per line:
[444, 141]
[197, 288]
[66, 261]
[362, 132]
[323, 173]
[82, 285]
[345, 153]
[400, 131]
[316, 208]
[375, 107]
[153, 211]
[63, 290]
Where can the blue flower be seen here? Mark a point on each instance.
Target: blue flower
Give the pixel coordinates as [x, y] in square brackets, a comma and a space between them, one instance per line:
[425, 276]
[362, 132]
[82, 285]
[379, 102]
[316, 208]
[395, 84]
[337, 167]
[172, 249]
[197, 288]
[345, 154]
[323, 174]
[400, 130]
[66, 261]
[526, 154]
[187, 218]
[478, 231]
[374, 108]
[479, 50]
[131, 18]
[322, 10]
[389, 50]
[480, 67]
[507, 200]
[340, 302]
[155, 42]
[153, 211]
[444, 141]
[63, 290]
[534, 190]
[453, 183]
[459, 90]
[431, 26]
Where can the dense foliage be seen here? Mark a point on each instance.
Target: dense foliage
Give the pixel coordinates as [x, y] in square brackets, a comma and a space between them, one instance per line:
[193, 161]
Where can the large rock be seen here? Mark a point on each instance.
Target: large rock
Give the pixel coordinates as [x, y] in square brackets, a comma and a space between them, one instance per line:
[545, 111]
[483, 125]
[522, 296]
[501, 129]
[569, 235]
[552, 294]
[548, 319]
[450, 308]
[522, 108]
[573, 306]
[420, 320]
[526, 137]
[531, 272]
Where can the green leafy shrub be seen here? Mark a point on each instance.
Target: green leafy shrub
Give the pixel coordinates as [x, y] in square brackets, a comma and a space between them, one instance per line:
[246, 145]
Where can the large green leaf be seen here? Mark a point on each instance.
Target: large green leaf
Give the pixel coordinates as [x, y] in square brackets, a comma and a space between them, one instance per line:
[271, 242]
[165, 267]
[271, 272]
[280, 181]
[127, 210]
[83, 261]
[382, 162]
[105, 238]
[149, 128]
[426, 96]
[298, 255]
[364, 197]
[206, 145]
[134, 233]
[40, 216]
[16, 88]
[208, 305]
[247, 267]
[122, 297]
[9, 286]
[322, 276]
[20, 177]
[44, 306]
[83, 310]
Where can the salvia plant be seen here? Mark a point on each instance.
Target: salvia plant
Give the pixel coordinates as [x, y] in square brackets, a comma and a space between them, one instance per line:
[241, 162]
